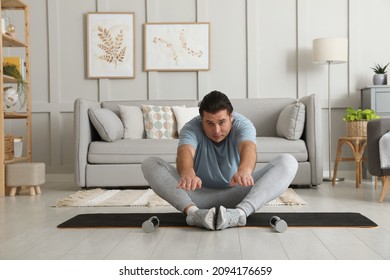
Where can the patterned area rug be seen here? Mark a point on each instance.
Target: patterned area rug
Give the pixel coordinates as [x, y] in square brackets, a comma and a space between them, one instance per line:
[148, 198]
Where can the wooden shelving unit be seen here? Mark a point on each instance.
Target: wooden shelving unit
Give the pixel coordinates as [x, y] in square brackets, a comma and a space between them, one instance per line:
[10, 42]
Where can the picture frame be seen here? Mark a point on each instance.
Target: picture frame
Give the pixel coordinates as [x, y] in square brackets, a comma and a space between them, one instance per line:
[111, 45]
[180, 46]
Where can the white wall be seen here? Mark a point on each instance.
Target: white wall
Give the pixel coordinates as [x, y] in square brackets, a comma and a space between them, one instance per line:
[259, 48]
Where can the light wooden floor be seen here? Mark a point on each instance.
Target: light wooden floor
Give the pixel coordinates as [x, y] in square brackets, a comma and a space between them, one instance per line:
[28, 231]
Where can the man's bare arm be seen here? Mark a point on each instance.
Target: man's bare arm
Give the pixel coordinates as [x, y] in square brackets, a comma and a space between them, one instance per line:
[185, 166]
[248, 156]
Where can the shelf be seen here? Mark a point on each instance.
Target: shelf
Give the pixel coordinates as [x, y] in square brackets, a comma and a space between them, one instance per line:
[15, 115]
[9, 80]
[12, 4]
[16, 160]
[8, 41]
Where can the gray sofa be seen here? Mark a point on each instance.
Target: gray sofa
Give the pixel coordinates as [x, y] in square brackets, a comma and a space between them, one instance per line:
[375, 131]
[100, 163]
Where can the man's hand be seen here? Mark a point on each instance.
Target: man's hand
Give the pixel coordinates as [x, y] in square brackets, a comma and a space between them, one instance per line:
[242, 178]
[189, 183]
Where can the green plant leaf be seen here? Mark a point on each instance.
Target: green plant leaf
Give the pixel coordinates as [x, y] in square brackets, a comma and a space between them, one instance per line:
[359, 115]
[378, 69]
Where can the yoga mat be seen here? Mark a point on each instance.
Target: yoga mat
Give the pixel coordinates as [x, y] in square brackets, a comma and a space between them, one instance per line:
[293, 219]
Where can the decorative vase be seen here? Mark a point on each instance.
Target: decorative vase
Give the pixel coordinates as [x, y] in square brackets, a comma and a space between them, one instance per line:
[10, 98]
[379, 79]
[18, 147]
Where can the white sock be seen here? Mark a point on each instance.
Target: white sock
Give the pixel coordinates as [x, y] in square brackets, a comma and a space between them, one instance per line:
[191, 210]
[242, 213]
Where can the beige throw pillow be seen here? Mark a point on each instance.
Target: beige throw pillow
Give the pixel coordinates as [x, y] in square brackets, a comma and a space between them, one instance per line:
[291, 121]
[133, 121]
[183, 115]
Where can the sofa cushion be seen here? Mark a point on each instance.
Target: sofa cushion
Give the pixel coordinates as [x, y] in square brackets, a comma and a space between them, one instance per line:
[184, 114]
[291, 121]
[270, 147]
[107, 124]
[133, 121]
[137, 150]
[159, 121]
[132, 150]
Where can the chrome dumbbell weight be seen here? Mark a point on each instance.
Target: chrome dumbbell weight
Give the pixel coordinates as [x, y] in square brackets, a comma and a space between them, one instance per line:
[150, 224]
[278, 224]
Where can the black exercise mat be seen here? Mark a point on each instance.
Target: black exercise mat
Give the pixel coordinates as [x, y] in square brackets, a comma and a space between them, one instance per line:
[293, 219]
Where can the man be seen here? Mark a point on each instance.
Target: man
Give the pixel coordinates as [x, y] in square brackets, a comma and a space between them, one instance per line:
[214, 182]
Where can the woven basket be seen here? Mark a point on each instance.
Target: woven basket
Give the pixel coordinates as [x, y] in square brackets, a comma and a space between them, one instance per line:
[356, 129]
[8, 147]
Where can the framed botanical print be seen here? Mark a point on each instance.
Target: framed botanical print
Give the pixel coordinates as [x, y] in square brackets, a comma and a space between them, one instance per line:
[177, 46]
[111, 45]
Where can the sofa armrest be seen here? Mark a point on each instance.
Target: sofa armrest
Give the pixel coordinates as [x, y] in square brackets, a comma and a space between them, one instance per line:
[375, 130]
[312, 135]
[84, 135]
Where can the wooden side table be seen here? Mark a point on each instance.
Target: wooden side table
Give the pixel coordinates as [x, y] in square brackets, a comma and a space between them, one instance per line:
[357, 144]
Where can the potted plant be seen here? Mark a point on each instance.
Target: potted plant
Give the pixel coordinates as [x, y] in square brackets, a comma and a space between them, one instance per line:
[356, 121]
[21, 85]
[380, 74]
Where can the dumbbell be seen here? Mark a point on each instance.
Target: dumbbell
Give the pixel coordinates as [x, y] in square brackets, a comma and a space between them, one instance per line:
[278, 224]
[150, 224]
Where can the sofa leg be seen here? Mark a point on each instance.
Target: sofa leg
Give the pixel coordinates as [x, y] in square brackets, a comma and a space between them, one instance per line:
[385, 187]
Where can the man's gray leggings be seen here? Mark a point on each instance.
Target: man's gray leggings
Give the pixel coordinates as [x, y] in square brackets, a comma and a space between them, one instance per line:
[270, 182]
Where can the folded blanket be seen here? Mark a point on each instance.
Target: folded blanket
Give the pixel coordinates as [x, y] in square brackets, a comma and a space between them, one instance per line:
[384, 150]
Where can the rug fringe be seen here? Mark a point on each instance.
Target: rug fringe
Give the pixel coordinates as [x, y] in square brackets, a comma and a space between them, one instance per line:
[78, 197]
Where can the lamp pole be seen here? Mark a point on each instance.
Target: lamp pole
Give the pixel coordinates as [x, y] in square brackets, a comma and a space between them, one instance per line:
[329, 179]
[329, 126]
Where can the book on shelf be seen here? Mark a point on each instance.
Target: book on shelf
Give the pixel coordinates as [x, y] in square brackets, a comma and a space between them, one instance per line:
[18, 62]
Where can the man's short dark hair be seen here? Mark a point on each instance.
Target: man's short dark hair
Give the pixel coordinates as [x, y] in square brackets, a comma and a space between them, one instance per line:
[214, 102]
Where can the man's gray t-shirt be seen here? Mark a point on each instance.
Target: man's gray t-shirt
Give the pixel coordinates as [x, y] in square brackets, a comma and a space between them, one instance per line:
[216, 163]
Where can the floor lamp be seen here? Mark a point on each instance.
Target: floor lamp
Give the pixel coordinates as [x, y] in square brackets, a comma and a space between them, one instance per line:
[330, 51]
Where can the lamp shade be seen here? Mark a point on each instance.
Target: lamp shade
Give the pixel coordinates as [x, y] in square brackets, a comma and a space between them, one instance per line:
[333, 50]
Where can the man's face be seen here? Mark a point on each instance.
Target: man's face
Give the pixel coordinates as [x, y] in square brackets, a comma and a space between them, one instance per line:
[217, 126]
